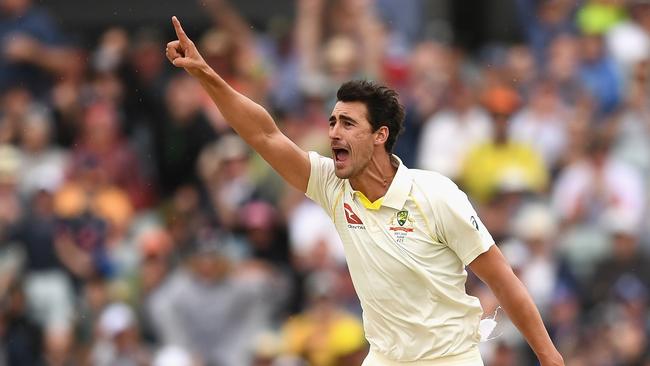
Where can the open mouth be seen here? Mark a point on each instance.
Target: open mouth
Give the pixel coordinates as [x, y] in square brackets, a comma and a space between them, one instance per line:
[340, 154]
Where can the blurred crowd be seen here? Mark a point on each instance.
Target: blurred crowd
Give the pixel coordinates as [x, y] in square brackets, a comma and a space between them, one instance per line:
[137, 229]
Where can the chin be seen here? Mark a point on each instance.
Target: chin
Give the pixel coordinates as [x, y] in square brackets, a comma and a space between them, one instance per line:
[342, 173]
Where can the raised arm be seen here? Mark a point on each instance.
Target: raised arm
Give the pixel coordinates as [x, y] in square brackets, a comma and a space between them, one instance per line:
[229, 19]
[25, 48]
[491, 267]
[250, 120]
[308, 34]
[371, 33]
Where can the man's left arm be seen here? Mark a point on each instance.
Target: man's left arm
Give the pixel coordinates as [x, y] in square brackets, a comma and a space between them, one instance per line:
[493, 269]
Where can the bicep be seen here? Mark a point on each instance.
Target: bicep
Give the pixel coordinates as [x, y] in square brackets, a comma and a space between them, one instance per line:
[459, 225]
[492, 267]
[286, 158]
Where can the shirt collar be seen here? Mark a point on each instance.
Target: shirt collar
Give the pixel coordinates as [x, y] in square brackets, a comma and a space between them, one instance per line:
[398, 190]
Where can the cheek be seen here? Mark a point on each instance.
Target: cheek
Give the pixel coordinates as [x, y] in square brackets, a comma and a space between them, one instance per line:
[363, 142]
[367, 145]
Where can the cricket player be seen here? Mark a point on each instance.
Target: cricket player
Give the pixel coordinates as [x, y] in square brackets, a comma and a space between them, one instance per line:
[408, 234]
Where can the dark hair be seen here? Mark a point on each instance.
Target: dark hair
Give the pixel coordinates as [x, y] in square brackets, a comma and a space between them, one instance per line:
[382, 103]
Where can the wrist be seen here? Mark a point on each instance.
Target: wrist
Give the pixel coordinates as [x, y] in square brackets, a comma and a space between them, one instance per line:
[203, 72]
[208, 77]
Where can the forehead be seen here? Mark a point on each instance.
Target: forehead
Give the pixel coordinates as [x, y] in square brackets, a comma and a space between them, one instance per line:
[354, 110]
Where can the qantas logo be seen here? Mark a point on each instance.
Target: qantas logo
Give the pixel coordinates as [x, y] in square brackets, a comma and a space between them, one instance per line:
[350, 216]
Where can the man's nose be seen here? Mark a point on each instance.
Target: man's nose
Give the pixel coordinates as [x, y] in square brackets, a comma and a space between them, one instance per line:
[334, 131]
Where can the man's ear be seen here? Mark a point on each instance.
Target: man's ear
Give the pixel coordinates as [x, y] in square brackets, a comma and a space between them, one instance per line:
[381, 135]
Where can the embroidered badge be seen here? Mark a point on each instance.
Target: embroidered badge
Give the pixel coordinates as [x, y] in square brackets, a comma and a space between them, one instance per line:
[400, 225]
[402, 216]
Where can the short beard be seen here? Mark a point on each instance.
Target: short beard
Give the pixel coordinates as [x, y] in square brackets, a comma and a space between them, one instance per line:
[353, 172]
[339, 174]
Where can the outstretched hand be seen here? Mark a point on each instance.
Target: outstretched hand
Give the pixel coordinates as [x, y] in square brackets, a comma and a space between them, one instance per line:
[183, 53]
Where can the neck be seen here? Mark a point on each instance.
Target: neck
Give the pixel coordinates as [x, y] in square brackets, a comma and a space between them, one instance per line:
[376, 177]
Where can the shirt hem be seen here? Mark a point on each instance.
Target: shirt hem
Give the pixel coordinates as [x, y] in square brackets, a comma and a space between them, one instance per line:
[469, 358]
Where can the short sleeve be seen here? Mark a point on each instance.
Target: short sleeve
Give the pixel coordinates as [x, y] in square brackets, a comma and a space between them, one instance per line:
[459, 226]
[323, 184]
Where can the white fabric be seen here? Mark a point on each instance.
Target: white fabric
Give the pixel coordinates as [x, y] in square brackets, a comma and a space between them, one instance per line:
[173, 356]
[408, 269]
[547, 135]
[448, 136]
[628, 43]
[617, 187]
[50, 299]
[472, 358]
[115, 319]
[539, 276]
[632, 144]
[42, 171]
[486, 327]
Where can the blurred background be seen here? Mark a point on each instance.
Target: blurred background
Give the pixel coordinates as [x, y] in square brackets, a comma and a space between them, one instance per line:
[137, 229]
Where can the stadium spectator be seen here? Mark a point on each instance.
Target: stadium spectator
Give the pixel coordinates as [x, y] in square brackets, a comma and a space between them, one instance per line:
[502, 164]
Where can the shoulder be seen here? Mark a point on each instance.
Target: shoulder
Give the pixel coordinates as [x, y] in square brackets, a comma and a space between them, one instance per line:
[173, 287]
[435, 186]
[321, 160]
[324, 167]
[323, 182]
[441, 121]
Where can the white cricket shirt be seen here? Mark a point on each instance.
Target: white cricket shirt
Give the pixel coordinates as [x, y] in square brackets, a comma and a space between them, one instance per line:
[407, 253]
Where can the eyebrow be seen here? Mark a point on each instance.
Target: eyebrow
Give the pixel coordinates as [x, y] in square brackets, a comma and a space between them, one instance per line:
[343, 117]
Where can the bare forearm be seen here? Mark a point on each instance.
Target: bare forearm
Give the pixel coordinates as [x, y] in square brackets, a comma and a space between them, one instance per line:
[250, 120]
[493, 269]
[308, 34]
[55, 60]
[229, 19]
[522, 311]
[371, 34]
[74, 259]
[25, 48]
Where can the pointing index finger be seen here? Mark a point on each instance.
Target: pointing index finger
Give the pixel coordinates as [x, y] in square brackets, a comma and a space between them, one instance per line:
[180, 33]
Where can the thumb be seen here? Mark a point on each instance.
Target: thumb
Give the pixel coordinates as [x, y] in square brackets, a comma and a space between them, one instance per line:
[183, 62]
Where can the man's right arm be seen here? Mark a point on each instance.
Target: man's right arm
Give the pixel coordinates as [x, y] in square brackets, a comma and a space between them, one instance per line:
[250, 120]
